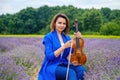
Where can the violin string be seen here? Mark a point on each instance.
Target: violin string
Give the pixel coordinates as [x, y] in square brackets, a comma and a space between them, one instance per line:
[69, 61]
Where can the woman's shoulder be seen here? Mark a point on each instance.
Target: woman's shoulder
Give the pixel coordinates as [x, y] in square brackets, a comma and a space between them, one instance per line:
[49, 35]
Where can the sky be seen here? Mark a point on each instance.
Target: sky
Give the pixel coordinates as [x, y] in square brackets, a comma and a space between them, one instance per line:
[13, 6]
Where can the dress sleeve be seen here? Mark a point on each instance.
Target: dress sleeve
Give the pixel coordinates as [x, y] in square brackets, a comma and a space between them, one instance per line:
[49, 53]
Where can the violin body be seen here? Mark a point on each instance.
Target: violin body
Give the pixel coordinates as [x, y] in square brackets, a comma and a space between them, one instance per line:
[78, 57]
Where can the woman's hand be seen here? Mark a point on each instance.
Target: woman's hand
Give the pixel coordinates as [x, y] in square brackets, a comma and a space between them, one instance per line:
[78, 34]
[75, 63]
[68, 43]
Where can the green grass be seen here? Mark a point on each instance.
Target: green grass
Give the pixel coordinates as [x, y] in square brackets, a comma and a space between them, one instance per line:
[100, 36]
[84, 36]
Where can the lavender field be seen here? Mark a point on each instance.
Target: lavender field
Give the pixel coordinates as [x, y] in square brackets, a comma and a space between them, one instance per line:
[19, 57]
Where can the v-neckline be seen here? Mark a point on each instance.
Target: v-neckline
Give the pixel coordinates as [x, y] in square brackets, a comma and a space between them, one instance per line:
[61, 40]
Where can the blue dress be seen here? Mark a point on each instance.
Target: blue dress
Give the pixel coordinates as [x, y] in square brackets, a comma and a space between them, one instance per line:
[52, 43]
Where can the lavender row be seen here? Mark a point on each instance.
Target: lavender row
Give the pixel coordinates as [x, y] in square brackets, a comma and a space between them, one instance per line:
[20, 56]
[103, 59]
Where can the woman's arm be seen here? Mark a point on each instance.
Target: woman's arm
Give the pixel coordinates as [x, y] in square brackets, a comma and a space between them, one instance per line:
[59, 50]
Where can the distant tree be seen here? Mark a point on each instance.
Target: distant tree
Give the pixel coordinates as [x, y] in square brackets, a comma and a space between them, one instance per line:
[115, 14]
[29, 27]
[111, 28]
[92, 20]
[37, 20]
[11, 29]
[28, 13]
[2, 26]
[106, 14]
[43, 17]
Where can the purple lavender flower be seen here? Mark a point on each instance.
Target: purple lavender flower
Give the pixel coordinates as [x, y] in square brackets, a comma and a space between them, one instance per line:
[20, 56]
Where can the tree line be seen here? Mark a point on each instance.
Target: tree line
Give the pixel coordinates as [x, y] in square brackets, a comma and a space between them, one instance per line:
[37, 20]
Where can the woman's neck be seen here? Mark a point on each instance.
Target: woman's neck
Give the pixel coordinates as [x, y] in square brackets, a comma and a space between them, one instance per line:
[60, 37]
[58, 32]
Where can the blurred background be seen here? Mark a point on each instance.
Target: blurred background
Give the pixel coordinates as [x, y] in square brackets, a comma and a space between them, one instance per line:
[34, 16]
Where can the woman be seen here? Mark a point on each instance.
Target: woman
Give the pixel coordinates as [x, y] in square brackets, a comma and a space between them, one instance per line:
[57, 47]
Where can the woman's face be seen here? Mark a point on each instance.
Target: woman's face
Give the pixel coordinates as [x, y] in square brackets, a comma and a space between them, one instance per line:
[60, 24]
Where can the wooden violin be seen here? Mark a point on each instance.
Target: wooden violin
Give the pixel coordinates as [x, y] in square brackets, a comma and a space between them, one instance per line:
[78, 55]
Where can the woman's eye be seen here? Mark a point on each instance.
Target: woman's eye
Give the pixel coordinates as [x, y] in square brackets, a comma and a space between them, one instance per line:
[59, 22]
[64, 23]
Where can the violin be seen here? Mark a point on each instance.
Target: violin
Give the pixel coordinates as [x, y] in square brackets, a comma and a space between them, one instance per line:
[78, 55]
